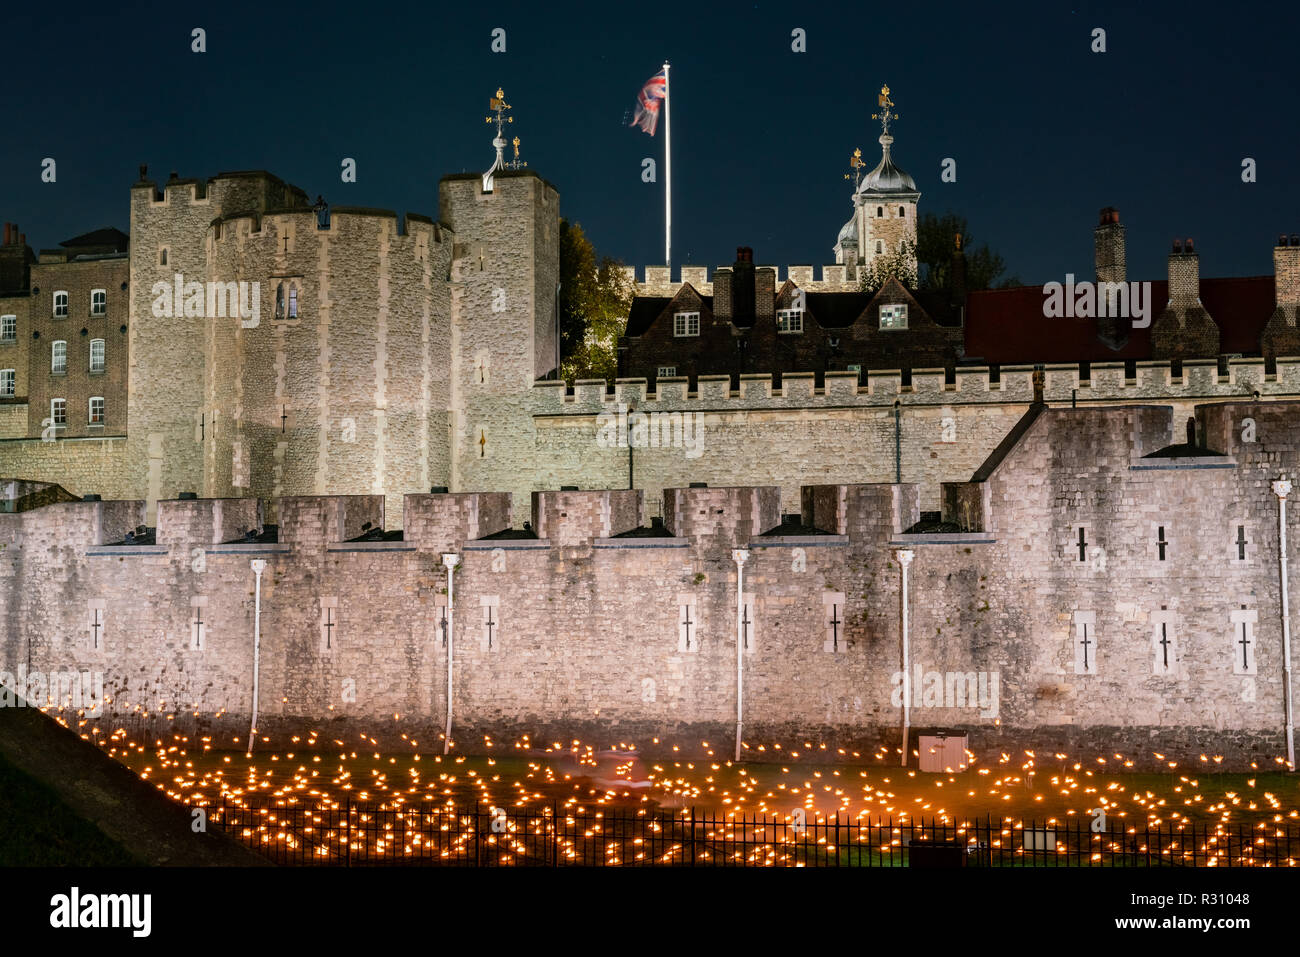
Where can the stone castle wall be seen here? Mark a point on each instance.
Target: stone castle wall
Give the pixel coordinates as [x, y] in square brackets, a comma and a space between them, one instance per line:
[630, 639]
[845, 433]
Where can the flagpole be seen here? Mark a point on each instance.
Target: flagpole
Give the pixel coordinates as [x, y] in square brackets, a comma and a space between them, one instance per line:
[668, 176]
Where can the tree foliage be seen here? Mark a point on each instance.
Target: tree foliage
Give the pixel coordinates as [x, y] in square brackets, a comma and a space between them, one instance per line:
[934, 249]
[595, 296]
[898, 264]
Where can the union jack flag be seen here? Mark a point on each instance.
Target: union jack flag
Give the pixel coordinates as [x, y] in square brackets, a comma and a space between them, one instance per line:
[648, 100]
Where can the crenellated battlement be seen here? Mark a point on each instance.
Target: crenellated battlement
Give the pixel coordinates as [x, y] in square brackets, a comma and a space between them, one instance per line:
[659, 281]
[207, 520]
[314, 520]
[442, 521]
[576, 517]
[1080, 383]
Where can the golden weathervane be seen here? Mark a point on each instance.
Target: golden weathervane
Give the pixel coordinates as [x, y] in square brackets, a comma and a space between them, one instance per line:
[498, 105]
[856, 162]
[885, 103]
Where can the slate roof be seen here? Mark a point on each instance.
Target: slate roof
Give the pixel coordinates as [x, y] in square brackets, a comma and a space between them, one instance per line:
[645, 309]
[108, 236]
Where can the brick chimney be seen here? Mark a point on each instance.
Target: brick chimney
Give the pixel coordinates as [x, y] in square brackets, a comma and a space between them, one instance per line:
[1109, 249]
[1110, 259]
[722, 293]
[742, 286]
[1281, 335]
[765, 292]
[1184, 330]
[1184, 276]
[1286, 270]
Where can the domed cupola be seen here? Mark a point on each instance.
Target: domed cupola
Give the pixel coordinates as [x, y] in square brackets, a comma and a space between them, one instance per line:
[886, 179]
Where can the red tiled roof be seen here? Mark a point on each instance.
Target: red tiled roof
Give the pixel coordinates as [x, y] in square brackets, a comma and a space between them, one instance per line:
[1007, 326]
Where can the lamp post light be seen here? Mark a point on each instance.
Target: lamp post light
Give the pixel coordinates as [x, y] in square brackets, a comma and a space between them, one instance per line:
[450, 560]
[259, 566]
[904, 557]
[740, 556]
[1282, 488]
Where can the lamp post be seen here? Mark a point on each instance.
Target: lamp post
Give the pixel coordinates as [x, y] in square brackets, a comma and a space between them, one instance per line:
[450, 560]
[259, 566]
[904, 557]
[1282, 488]
[740, 556]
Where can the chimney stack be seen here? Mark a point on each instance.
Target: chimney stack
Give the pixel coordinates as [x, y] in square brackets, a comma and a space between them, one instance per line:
[1109, 247]
[742, 286]
[1111, 263]
[1184, 276]
[1286, 271]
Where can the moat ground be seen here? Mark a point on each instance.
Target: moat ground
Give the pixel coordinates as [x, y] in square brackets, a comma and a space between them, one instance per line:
[1050, 791]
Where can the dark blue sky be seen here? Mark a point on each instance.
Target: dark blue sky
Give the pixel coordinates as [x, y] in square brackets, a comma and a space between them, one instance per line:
[1044, 131]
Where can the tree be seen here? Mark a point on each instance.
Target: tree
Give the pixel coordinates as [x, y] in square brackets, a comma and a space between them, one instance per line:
[934, 249]
[897, 264]
[595, 295]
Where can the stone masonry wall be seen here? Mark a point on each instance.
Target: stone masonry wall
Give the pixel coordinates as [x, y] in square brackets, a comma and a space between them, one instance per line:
[628, 640]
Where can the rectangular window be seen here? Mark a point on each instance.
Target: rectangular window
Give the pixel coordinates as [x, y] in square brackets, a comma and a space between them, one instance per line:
[60, 305]
[96, 355]
[96, 410]
[59, 358]
[59, 413]
[8, 328]
[665, 371]
[893, 316]
[789, 320]
[98, 302]
[686, 324]
[8, 380]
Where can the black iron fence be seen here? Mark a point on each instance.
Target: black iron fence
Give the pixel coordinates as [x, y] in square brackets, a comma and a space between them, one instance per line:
[355, 834]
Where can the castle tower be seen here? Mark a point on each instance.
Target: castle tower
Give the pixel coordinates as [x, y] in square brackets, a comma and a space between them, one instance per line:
[165, 428]
[884, 207]
[341, 386]
[504, 276]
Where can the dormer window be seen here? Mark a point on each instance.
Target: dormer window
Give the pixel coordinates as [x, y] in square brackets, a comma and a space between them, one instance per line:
[789, 320]
[686, 324]
[893, 316]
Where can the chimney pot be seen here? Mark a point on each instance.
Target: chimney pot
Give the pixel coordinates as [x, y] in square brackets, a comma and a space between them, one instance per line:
[1178, 247]
[22, 239]
[1190, 248]
[1281, 239]
[7, 234]
[1295, 239]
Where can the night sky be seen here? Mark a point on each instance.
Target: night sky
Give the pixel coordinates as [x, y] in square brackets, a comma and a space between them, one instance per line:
[1044, 131]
